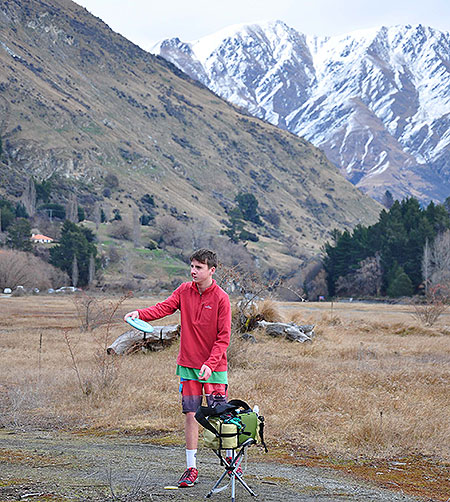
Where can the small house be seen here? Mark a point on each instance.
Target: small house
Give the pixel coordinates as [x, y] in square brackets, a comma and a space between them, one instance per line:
[42, 239]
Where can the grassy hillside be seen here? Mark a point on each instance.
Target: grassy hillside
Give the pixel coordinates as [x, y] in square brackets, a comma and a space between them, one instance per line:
[80, 102]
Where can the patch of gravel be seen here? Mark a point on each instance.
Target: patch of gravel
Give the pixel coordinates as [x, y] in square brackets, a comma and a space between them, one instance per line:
[65, 467]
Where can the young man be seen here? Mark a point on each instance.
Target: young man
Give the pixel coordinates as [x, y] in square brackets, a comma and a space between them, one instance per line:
[205, 335]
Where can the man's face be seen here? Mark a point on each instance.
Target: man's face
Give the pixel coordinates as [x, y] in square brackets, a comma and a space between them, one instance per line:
[200, 272]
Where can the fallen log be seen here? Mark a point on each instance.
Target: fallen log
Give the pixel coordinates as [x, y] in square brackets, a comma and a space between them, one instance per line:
[135, 340]
[289, 330]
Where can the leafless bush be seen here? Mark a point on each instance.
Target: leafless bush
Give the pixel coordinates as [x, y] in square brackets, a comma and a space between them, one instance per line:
[365, 281]
[234, 256]
[24, 269]
[169, 232]
[47, 226]
[188, 237]
[249, 288]
[317, 286]
[120, 230]
[105, 370]
[94, 311]
[114, 254]
[428, 310]
[74, 363]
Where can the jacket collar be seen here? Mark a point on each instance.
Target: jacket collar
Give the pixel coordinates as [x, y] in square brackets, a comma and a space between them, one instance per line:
[207, 290]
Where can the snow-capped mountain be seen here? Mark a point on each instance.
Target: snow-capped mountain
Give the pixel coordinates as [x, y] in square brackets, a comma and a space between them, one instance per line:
[377, 102]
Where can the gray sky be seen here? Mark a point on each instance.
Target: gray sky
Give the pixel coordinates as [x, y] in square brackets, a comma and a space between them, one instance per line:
[147, 21]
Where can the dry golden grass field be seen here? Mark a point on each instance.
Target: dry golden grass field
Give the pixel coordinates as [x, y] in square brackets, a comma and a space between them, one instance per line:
[369, 395]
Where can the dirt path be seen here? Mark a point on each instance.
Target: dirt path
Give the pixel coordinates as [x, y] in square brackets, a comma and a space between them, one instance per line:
[64, 467]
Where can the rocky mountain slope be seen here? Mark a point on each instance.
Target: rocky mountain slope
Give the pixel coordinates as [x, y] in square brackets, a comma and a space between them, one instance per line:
[80, 102]
[377, 102]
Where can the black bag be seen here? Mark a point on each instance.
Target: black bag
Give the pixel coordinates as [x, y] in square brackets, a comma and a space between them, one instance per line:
[227, 425]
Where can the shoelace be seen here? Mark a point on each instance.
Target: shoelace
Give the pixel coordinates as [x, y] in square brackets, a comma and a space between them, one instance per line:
[188, 474]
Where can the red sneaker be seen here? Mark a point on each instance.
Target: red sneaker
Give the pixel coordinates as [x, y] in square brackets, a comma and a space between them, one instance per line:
[238, 470]
[189, 478]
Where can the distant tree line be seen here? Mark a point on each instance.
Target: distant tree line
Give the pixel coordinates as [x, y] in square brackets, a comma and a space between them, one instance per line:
[75, 254]
[387, 257]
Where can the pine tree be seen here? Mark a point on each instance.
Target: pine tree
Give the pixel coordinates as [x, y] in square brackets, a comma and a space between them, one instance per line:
[398, 238]
[75, 241]
[7, 214]
[400, 285]
[248, 205]
[447, 205]
[388, 200]
[19, 235]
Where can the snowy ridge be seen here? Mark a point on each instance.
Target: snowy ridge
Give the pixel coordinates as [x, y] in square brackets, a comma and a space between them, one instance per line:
[376, 101]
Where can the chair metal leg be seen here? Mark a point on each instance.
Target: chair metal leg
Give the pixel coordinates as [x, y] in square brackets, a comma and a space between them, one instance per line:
[230, 469]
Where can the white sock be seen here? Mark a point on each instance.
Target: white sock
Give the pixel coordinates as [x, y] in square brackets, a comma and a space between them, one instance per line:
[229, 453]
[191, 458]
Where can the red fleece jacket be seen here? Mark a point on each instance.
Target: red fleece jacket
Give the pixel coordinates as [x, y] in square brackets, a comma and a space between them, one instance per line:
[205, 324]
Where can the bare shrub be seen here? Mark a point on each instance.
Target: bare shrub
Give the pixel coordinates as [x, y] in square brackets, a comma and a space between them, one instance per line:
[249, 287]
[200, 234]
[74, 363]
[235, 256]
[120, 230]
[187, 238]
[307, 282]
[242, 280]
[114, 255]
[94, 311]
[365, 281]
[428, 310]
[169, 232]
[316, 285]
[18, 268]
[46, 226]
[105, 369]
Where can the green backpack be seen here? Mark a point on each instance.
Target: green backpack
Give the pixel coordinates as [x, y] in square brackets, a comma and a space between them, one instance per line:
[229, 425]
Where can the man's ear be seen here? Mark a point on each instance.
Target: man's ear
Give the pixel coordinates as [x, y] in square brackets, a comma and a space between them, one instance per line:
[213, 269]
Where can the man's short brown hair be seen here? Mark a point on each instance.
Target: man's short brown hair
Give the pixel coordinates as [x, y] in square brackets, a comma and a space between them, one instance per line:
[205, 256]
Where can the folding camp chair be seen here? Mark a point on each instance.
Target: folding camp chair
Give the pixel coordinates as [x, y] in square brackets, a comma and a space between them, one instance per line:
[231, 471]
[234, 426]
